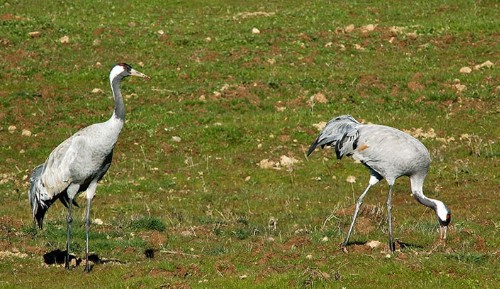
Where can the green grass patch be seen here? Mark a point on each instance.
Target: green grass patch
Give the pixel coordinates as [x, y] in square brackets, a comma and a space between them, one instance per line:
[148, 223]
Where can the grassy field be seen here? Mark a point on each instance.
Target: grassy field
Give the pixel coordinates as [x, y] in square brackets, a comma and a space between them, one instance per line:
[243, 84]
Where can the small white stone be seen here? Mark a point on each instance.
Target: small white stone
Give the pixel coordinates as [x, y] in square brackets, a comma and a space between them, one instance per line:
[368, 28]
[349, 28]
[98, 222]
[34, 34]
[373, 244]
[487, 64]
[176, 139]
[459, 87]
[12, 128]
[286, 161]
[465, 70]
[255, 31]
[26, 133]
[358, 47]
[266, 164]
[64, 39]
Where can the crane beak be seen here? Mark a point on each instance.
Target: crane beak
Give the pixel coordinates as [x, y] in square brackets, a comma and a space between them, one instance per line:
[442, 232]
[134, 72]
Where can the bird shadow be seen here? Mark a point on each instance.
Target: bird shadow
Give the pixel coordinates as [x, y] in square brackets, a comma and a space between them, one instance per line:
[404, 245]
[149, 253]
[397, 244]
[57, 257]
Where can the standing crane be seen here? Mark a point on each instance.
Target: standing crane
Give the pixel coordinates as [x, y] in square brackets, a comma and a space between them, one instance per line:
[79, 162]
[387, 153]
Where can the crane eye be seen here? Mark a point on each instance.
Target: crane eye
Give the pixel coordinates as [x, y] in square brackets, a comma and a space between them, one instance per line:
[447, 221]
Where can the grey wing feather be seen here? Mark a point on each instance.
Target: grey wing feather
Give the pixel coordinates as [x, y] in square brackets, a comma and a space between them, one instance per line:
[347, 144]
[49, 181]
[38, 196]
[33, 193]
[56, 174]
[334, 132]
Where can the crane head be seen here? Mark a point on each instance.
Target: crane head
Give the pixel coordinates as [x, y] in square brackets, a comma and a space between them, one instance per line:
[122, 70]
[444, 218]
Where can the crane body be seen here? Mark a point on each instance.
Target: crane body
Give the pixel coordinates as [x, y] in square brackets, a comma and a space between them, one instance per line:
[387, 153]
[79, 163]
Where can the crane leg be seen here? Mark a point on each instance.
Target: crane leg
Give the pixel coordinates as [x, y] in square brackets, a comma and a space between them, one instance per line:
[72, 190]
[389, 217]
[69, 220]
[90, 195]
[87, 226]
[356, 211]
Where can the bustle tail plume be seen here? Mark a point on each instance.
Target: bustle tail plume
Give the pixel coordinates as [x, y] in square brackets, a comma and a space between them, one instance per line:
[38, 206]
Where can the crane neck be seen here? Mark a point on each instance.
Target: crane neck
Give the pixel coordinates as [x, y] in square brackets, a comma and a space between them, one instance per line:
[428, 202]
[442, 212]
[417, 183]
[119, 111]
